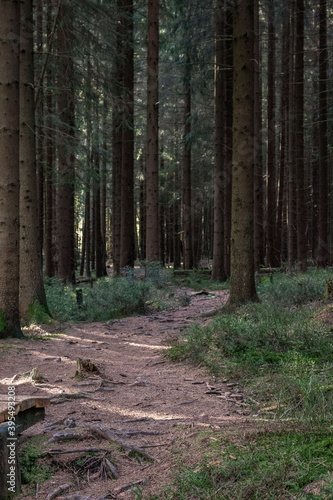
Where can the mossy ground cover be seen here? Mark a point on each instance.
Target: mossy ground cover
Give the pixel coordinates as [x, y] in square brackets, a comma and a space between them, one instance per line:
[34, 470]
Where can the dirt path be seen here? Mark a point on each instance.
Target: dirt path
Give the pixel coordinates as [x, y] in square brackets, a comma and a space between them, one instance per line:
[145, 400]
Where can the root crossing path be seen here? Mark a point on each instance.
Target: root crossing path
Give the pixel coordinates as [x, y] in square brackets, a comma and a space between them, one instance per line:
[136, 409]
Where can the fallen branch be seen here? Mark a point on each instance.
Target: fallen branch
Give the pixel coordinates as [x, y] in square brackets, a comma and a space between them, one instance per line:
[129, 485]
[111, 468]
[106, 434]
[62, 436]
[60, 489]
[79, 450]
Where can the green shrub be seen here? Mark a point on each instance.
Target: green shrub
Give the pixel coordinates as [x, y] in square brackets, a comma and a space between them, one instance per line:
[108, 299]
[296, 289]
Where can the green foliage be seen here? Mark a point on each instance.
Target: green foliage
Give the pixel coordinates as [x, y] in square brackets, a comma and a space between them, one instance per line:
[2, 321]
[281, 354]
[33, 471]
[108, 299]
[263, 466]
[295, 289]
[38, 314]
[198, 280]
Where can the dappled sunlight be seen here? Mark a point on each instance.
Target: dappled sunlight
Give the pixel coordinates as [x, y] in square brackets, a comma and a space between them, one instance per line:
[147, 346]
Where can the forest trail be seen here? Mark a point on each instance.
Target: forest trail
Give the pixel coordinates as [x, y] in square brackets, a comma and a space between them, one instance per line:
[139, 396]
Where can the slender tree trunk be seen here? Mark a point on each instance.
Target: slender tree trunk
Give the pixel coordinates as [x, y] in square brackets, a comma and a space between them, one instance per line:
[127, 241]
[291, 150]
[99, 267]
[31, 277]
[50, 156]
[187, 184]
[242, 283]
[218, 272]
[284, 117]
[142, 210]
[323, 249]
[258, 161]
[299, 146]
[117, 153]
[66, 158]
[103, 184]
[176, 213]
[40, 132]
[152, 231]
[271, 175]
[9, 181]
[227, 181]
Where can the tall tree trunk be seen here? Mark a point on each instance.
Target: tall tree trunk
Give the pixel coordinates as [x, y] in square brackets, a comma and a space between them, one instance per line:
[127, 241]
[271, 175]
[299, 146]
[323, 249]
[187, 184]
[284, 118]
[258, 160]
[50, 156]
[242, 284]
[291, 149]
[66, 158]
[9, 181]
[31, 277]
[218, 272]
[176, 210]
[99, 267]
[228, 140]
[142, 210]
[152, 231]
[40, 133]
[117, 152]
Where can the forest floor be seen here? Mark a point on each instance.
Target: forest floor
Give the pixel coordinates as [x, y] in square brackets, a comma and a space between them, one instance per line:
[137, 399]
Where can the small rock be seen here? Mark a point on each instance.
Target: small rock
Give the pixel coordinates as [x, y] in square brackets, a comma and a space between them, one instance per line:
[69, 423]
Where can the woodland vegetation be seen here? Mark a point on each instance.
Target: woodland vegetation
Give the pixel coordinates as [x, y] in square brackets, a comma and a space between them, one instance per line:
[171, 132]
[141, 138]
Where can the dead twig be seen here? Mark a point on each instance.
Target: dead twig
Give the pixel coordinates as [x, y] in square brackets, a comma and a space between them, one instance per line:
[60, 489]
[106, 434]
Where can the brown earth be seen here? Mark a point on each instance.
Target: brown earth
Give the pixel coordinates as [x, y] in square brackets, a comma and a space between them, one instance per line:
[138, 395]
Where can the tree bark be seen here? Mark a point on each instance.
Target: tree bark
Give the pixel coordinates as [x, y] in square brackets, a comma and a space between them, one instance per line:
[242, 283]
[227, 181]
[299, 146]
[187, 184]
[218, 272]
[9, 181]
[271, 165]
[322, 248]
[127, 241]
[66, 142]
[31, 277]
[152, 231]
[258, 160]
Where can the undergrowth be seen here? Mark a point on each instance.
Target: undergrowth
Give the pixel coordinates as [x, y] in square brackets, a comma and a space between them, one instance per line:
[109, 298]
[260, 466]
[198, 280]
[280, 351]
